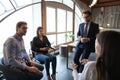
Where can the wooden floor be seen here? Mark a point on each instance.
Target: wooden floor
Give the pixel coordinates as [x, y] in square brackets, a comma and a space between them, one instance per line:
[62, 72]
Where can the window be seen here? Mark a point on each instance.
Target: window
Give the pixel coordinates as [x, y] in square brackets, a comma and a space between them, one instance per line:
[78, 20]
[68, 3]
[69, 21]
[52, 39]
[4, 6]
[8, 26]
[61, 18]
[51, 20]
[69, 34]
[20, 3]
[59, 27]
[61, 38]
[37, 19]
[55, 0]
[31, 14]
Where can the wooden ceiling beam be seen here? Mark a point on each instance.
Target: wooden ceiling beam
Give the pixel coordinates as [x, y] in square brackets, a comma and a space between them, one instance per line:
[86, 1]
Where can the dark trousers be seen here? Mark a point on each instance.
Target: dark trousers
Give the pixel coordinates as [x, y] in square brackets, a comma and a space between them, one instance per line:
[11, 73]
[47, 58]
[81, 53]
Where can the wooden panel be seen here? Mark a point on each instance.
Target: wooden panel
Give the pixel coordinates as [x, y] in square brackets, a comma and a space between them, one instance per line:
[106, 0]
[110, 3]
[102, 3]
[109, 17]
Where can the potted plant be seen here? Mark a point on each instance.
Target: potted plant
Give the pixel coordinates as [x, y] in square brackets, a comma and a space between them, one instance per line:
[69, 36]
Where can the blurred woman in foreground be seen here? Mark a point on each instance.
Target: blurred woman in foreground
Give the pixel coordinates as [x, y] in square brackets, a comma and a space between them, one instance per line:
[106, 67]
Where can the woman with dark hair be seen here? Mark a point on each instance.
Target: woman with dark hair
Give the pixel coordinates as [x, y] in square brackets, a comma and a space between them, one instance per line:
[41, 45]
[106, 67]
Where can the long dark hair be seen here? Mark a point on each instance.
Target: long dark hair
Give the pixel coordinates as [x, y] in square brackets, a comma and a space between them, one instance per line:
[107, 64]
[38, 30]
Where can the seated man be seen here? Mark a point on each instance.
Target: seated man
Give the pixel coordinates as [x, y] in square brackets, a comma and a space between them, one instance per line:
[16, 59]
[7, 73]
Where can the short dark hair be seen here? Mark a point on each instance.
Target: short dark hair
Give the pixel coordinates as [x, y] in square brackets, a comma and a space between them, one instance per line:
[20, 23]
[86, 12]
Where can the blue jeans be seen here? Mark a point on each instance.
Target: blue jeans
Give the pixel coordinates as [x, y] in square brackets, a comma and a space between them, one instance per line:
[47, 58]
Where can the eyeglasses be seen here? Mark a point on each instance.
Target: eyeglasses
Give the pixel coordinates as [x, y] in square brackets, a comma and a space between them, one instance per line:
[86, 17]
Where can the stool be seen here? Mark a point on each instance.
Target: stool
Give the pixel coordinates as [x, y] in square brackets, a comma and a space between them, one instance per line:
[63, 50]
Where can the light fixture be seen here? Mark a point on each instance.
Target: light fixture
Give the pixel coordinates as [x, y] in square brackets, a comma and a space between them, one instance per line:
[101, 28]
[93, 3]
[108, 25]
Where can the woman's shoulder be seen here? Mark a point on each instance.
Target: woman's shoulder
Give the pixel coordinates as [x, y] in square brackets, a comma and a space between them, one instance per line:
[45, 37]
[89, 72]
[35, 37]
[90, 64]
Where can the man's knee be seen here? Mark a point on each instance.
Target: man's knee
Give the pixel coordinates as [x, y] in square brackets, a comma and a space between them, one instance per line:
[40, 75]
[39, 66]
